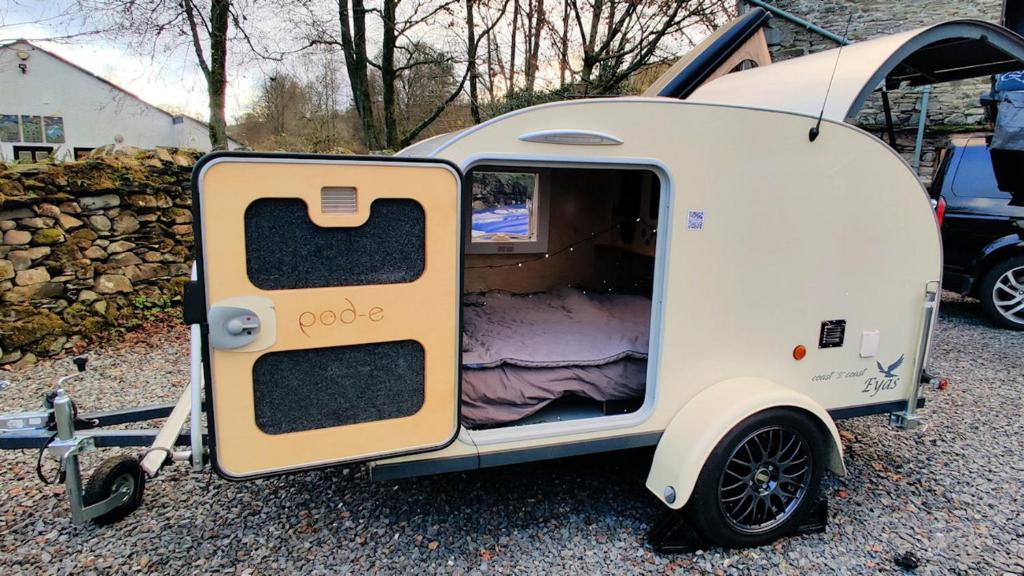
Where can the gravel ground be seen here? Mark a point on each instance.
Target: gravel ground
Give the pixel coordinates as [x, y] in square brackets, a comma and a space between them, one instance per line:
[952, 494]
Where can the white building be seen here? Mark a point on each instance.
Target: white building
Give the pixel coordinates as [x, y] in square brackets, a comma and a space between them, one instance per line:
[50, 107]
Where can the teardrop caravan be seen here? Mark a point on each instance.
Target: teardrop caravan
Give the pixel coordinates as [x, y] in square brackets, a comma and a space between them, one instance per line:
[719, 270]
[699, 275]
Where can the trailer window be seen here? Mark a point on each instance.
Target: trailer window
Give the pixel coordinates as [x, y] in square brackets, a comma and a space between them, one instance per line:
[507, 212]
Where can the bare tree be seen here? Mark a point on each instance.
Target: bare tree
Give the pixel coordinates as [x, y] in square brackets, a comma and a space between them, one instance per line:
[298, 107]
[563, 45]
[535, 23]
[352, 24]
[419, 90]
[511, 84]
[400, 54]
[408, 61]
[322, 114]
[206, 28]
[277, 118]
[471, 62]
[495, 60]
[620, 37]
[214, 69]
[472, 48]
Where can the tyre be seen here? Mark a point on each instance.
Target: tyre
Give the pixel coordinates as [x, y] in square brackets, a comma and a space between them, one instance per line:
[113, 474]
[1002, 293]
[762, 479]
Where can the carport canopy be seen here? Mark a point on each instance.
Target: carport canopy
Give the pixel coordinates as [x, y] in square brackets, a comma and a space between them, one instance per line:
[946, 52]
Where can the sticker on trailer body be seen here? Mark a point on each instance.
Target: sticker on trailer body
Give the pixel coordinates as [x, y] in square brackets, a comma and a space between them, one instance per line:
[695, 220]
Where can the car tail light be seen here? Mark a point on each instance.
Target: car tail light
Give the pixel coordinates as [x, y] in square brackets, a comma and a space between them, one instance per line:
[940, 210]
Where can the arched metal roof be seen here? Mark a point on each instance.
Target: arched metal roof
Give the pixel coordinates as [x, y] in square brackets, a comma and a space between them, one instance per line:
[945, 52]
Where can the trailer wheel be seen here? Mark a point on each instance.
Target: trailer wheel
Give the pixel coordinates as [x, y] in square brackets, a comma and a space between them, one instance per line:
[1002, 293]
[111, 475]
[761, 481]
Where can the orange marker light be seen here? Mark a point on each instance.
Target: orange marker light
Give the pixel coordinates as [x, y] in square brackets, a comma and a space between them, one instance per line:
[799, 352]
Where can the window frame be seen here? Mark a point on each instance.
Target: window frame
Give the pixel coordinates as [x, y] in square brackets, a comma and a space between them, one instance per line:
[539, 217]
[33, 150]
[17, 128]
[46, 130]
[37, 121]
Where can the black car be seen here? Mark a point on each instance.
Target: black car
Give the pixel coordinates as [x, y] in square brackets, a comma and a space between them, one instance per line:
[982, 228]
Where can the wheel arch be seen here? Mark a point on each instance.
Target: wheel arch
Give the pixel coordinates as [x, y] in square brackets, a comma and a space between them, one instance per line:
[994, 253]
[702, 422]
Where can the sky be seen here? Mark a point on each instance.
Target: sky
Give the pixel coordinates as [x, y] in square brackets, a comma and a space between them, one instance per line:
[173, 81]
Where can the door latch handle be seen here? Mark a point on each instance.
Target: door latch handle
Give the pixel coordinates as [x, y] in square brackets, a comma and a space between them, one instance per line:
[243, 324]
[232, 327]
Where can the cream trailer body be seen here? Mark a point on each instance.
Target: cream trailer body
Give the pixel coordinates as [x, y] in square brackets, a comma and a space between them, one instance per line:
[720, 280]
[718, 270]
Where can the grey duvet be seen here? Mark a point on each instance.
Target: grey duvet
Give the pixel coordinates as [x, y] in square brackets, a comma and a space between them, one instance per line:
[520, 353]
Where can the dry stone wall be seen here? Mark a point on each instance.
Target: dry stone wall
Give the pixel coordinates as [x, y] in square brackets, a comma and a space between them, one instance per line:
[89, 246]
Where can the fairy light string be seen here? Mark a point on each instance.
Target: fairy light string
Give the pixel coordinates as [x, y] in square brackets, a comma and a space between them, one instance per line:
[568, 248]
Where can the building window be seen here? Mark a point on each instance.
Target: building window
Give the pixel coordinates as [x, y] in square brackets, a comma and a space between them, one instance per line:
[31, 128]
[54, 126]
[10, 130]
[82, 153]
[32, 153]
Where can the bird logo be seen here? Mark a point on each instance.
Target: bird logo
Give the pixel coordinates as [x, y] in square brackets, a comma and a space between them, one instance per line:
[888, 372]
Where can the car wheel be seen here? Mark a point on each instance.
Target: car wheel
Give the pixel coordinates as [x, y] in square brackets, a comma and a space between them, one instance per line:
[761, 481]
[1002, 293]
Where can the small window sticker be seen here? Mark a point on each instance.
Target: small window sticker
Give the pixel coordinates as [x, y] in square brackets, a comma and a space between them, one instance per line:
[695, 220]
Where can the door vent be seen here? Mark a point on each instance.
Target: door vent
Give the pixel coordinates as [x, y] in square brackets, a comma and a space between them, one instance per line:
[833, 333]
[338, 201]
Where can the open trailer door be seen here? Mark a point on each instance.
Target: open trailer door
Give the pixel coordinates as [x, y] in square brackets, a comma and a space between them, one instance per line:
[332, 308]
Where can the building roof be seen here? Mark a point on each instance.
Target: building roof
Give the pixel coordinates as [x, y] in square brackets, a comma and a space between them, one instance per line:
[129, 93]
[954, 50]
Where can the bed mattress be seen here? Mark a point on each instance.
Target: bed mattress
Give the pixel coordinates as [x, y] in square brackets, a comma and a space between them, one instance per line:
[522, 352]
[494, 396]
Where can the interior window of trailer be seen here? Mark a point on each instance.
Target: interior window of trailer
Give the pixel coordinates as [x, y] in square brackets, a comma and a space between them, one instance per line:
[506, 211]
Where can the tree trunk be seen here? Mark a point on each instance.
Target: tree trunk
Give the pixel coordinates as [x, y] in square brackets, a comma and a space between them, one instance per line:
[590, 43]
[538, 18]
[474, 102]
[388, 75]
[563, 61]
[217, 82]
[512, 48]
[490, 66]
[353, 44]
